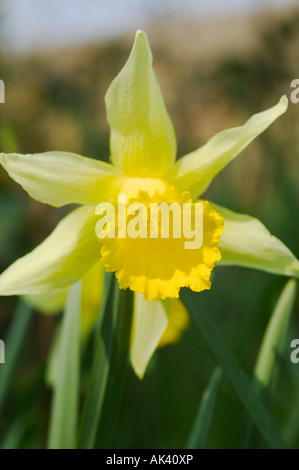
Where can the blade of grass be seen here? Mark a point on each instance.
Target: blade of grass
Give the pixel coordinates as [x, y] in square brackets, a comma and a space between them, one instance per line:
[242, 386]
[201, 427]
[109, 364]
[272, 346]
[274, 337]
[64, 414]
[291, 427]
[13, 347]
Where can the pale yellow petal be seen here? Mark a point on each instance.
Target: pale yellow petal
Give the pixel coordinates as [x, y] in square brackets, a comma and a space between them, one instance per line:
[62, 259]
[245, 241]
[92, 292]
[195, 171]
[178, 322]
[150, 322]
[142, 136]
[59, 178]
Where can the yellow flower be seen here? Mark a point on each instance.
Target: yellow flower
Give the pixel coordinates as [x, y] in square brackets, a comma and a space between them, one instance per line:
[144, 169]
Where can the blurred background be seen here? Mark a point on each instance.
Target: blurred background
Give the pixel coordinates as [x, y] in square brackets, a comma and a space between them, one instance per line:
[218, 62]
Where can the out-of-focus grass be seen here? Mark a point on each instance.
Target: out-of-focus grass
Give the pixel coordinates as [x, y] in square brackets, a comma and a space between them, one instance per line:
[56, 102]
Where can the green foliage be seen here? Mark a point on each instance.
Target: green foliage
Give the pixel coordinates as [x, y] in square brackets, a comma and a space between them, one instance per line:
[200, 431]
[65, 406]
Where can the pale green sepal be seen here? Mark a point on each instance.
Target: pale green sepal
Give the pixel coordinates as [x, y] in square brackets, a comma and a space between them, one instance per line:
[62, 259]
[142, 138]
[195, 171]
[59, 178]
[245, 241]
[275, 335]
[150, 322]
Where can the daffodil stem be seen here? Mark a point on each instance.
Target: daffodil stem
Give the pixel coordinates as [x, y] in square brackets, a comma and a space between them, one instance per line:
[64, 414]
[108, 370]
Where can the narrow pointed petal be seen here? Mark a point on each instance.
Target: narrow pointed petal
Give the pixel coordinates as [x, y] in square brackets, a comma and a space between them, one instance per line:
[195, 171]
[150, 322]
[59, 178]
[142, 136]
[62, 259]
[245, 241]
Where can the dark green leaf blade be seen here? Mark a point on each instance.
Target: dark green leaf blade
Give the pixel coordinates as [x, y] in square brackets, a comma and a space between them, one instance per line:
[13, 347]
[201, 427]
[242, 386]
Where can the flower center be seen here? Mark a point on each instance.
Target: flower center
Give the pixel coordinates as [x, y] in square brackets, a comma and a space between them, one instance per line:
[154, 242]
[132, 186]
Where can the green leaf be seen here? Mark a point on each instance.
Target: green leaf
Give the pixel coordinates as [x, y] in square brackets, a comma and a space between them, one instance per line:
[275, 335]
[291, 427]
[107, 289]
[272, 345]
[201, 427]
[108, 370]
[242, 386]
[14, 435]
[13, 347]
[64, 414]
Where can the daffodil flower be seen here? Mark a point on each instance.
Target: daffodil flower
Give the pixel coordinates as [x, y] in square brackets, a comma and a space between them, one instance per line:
[144, 169]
